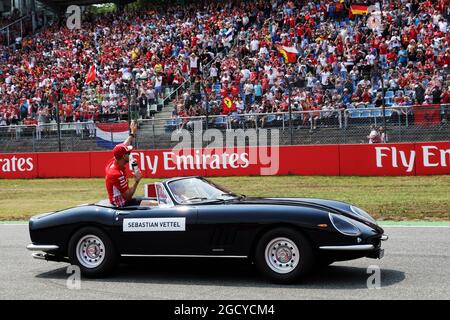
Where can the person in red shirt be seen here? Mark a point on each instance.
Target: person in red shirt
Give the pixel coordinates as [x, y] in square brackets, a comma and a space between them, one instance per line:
[366, 97]
[391, 56]
[235, 90]
[68, 112]
[116, 181]
[194, 40]
[445, 97]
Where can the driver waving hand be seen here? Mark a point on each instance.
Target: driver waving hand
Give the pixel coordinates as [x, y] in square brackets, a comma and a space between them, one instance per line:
[119, 193]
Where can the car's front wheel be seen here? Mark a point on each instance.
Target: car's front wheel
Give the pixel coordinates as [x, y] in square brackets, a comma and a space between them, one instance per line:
[93, 251]
[284, 255]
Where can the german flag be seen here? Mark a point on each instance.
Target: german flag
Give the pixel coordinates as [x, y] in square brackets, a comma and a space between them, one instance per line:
[359, 9]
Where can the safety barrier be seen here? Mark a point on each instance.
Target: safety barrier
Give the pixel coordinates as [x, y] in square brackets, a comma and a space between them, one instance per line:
[426, 158]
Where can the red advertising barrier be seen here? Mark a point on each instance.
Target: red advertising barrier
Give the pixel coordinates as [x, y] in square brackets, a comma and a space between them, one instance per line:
[377, 159]
[329, 160]
[310, 160]
[97, 163]
[64, 164]
[432, 158]
[18, 165]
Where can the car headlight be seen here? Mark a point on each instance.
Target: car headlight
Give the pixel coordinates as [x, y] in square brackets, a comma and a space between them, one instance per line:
[362, 213]
[344, 225]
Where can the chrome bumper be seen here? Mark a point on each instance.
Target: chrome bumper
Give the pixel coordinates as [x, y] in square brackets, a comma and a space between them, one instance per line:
[361, 247]
[45, 252]
[375, 253]
[39, 256]
[47, 247]
[48, 257]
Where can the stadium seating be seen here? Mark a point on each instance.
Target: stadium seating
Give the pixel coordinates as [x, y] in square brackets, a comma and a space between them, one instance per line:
[169, 45]
[388, 98]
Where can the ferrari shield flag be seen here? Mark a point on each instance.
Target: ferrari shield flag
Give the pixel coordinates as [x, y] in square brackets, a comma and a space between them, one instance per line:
[110, 134]
[357, 9]
[90, 75]
[289, 53]
[228, 105]
[427, 115]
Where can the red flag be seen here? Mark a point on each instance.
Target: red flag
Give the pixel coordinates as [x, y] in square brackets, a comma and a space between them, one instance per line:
[28, 65]
[228, 105]
[427, 114]
[90, 75]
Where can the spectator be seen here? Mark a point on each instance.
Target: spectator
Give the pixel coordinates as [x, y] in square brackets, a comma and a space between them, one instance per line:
[143, 105]
[374, 135]
[383, 135]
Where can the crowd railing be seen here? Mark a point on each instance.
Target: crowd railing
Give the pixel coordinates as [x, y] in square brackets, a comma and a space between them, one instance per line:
[400, 123]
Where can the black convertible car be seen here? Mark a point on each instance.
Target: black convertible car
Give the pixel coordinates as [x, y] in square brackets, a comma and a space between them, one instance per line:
[193, 217]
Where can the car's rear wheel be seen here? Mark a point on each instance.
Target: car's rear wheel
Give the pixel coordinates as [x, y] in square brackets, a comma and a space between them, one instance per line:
[93, 251]
[284, 255]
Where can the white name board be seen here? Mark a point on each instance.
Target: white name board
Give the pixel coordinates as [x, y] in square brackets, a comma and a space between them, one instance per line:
[154, 224]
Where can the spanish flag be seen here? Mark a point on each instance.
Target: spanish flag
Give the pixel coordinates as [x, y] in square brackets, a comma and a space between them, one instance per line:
[359, 9]
[288, 53]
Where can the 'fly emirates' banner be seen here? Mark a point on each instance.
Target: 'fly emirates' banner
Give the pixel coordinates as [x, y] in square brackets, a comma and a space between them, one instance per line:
[330, 160]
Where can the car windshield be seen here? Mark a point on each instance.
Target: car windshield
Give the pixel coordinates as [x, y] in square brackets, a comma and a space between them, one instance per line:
[198, 190]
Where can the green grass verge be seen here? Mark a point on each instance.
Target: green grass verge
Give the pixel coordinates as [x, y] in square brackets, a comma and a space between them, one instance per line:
[386, 198]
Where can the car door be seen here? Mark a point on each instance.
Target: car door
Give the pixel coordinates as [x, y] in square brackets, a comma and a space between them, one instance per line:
[156, 231]
[226, 229]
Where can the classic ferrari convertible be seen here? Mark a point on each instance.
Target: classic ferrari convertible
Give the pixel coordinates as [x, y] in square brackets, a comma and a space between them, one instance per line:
[194, 217]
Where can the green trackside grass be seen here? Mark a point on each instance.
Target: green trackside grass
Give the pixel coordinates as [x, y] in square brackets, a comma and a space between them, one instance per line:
[386, 198]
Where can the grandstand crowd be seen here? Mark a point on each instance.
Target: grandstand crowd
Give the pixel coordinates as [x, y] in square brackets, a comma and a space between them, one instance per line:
[230, 50]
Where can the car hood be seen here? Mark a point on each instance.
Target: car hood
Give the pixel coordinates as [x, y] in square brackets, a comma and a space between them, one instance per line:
[323, 204]
[339, 205]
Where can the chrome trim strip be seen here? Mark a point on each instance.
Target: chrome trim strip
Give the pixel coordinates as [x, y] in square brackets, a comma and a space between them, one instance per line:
[384, 237]
[361, 247]
[46, 247]
[180, 256]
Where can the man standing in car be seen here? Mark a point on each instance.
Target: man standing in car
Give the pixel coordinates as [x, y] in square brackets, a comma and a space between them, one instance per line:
[119, 193]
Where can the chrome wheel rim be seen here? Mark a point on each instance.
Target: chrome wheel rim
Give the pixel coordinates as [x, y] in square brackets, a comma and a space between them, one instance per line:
[282, 255]
[90, 251]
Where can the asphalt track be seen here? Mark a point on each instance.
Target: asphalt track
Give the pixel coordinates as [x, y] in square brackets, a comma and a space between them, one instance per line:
[415, 266]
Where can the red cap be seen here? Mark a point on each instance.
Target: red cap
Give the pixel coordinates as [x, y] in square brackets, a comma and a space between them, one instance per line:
[121, 149]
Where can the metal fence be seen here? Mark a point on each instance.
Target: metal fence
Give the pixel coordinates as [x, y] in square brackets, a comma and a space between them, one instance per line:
[24, 26]
[401, 124]
[18, 29]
